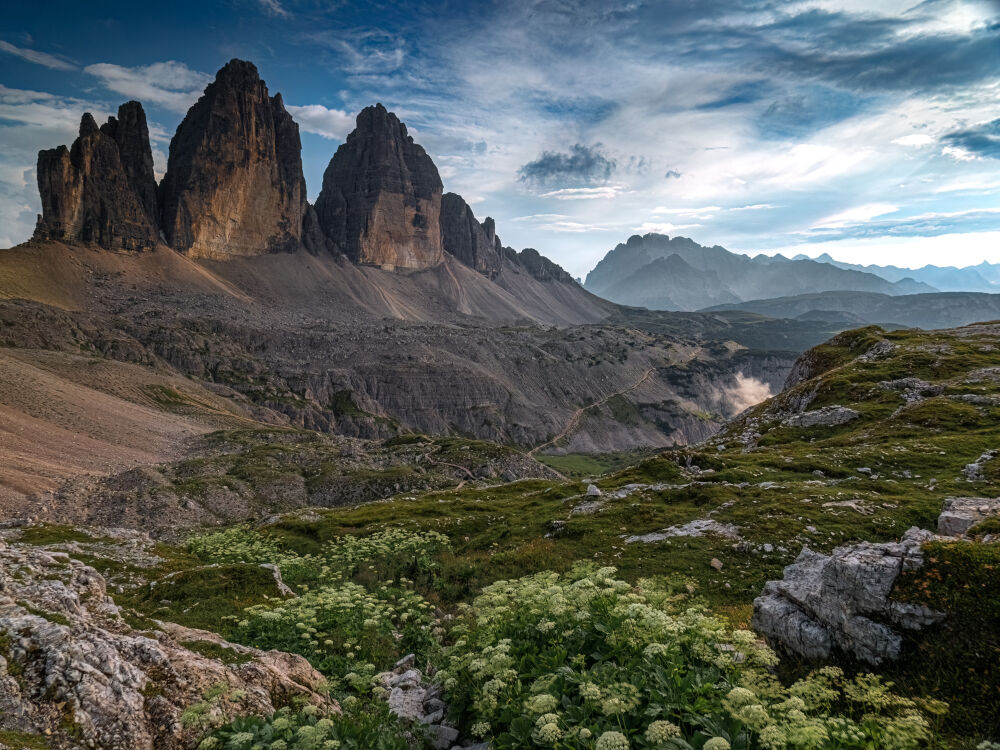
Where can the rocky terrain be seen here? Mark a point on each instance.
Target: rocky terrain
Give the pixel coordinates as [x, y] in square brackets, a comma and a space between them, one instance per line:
[868, 543]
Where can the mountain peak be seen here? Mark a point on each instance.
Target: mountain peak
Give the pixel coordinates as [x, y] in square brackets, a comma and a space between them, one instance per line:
[234, 183]
[381, 197]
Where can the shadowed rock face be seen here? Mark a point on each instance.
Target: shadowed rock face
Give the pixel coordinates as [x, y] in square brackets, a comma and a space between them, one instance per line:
[381, 197]
[101, 190]
[475, 244]
[234, 183]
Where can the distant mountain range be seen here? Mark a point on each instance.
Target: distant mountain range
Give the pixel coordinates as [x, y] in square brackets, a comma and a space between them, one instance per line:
[676, 273]
[852, 309]
[982, 278]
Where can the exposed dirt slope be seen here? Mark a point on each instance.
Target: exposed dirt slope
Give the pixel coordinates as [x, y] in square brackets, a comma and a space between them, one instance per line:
[62, 415]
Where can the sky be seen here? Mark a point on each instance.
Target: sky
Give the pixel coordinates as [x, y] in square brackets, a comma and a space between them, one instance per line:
[868, 129]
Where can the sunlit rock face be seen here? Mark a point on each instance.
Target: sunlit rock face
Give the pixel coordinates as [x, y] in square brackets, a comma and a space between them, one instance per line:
[101, 190]
[234, 184]
[381, 197]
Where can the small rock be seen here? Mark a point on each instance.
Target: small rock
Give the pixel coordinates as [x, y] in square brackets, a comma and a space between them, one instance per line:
[441, 736]
[593, 490]
[716, 563]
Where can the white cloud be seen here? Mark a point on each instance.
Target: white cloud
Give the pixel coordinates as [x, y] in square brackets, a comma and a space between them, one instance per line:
[575, 194]
[170, 84]
[662, 228]
[329, 123]
[914, 139]
[958, 153]
[855, 215]
[574, 226]
[274, 8]
[754, 207]
[34, 56]
[686, 211]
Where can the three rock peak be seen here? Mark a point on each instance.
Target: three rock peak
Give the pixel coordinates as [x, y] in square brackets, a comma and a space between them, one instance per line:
[234, 187]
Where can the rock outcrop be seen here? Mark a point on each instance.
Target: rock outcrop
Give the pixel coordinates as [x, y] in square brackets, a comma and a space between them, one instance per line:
[828, 416]
[962, 513]
[475, 244]
[381, 197]
[841, 601]
[101, 190]
[73, 669]
[537, 265]
[234, 183]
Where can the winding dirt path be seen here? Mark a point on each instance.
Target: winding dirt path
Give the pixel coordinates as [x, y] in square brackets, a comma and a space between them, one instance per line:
[574, 421]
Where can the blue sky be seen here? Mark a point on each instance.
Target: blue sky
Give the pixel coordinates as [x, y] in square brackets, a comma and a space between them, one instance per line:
[869, 129]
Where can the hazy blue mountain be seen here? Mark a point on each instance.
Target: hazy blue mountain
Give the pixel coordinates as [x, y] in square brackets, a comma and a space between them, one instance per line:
[676, 273]
[982, 278]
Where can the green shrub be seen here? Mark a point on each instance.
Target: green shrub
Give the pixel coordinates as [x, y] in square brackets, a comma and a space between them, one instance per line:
[369, 728]
[584, 660]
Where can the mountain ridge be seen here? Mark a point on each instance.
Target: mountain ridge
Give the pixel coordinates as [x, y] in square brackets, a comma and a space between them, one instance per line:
[634, 273]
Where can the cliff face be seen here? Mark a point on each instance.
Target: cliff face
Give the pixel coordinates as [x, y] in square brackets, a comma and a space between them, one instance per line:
[234, 183]
[381, 197]
[101, 190]
[475, 244]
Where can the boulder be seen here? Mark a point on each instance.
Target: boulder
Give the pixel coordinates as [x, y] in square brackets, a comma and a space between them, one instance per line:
[841, 601]
[962, 513]
[381, 197]
[72, 668]
[102, 190]
[234, 183]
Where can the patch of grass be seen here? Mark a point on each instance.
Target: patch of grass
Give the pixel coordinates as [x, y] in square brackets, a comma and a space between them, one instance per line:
[958, 660]
[580, 465]
[23, 740]
[204, 597]
[53, 533]
[215, 651]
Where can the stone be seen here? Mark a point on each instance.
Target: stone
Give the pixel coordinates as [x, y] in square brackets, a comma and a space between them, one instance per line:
[441, 736]
[474, 244]
[593, 490]
[234, 184]
[842, 601]
[101, 190]
[381, 197]
[974, 472]
[695, 528]
[716, 563]
[962, 513]
[828, 416]
[77, 659]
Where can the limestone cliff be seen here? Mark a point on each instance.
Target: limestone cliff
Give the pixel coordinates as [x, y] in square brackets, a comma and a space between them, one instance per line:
[475, 244]
[234, 183]
[381, 197]
[101, 190]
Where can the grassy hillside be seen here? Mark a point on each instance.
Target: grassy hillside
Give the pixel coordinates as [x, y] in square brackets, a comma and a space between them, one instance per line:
[704, 526]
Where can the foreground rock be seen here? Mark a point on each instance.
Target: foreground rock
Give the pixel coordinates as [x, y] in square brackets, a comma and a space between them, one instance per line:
[962, 513]
[234, 183]
[841, 601]
[72, 668]
[102, 190]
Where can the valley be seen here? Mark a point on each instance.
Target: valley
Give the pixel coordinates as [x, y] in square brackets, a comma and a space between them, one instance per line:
[352, 474]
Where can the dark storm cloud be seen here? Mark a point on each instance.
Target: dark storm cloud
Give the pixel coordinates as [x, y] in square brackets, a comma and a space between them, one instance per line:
[586, 164]
[981, 140]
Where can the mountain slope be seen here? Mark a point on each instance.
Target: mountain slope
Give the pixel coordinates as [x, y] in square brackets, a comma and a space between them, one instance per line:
[676, 273]
[938, 310]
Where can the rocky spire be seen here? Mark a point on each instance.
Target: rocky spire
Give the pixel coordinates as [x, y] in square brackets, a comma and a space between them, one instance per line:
[234, 183]
[101, 190]
[475, 244]
[381, 197]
